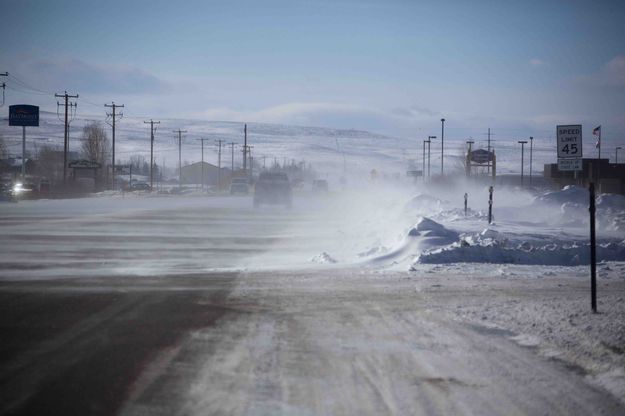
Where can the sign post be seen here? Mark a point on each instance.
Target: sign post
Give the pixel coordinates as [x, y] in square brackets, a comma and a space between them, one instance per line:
[593, 249]
[24, 115]
[569, 143]
[490, 204]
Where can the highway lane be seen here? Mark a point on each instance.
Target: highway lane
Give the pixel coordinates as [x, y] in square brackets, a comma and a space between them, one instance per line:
[326, 342]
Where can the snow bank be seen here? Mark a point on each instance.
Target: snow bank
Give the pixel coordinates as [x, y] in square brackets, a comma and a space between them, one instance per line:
[434, 232]
[552, 230]
[568, 194]
[323, 258]
[425, 235]
[491, 246]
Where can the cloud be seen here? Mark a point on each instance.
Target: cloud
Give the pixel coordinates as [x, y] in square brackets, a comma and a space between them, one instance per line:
[536, 63]
[415, 111]
[613, 72]
[333, 115]
[610, 75]
[81, 76]
[299, 114]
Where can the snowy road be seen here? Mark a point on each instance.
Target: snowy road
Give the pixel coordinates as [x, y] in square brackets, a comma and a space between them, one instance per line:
[334, 342]
[112, 306]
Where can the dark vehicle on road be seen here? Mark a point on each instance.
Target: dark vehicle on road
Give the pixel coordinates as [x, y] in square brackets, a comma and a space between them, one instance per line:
[6, 193]
[140, 186]
[272, 188]
[239, 186]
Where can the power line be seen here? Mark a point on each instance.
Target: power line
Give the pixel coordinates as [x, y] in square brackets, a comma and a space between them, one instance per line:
[29, 87]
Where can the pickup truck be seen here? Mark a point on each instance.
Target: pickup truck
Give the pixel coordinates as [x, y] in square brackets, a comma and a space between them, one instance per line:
[272, 188]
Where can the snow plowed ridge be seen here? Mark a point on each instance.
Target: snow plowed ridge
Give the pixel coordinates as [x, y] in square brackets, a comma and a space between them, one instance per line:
[552, 254]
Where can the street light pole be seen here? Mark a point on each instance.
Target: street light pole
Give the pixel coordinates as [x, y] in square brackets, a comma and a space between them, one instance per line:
[429, 141]
[423, 160]
[442, 144]
[522, 142]
[531, 152]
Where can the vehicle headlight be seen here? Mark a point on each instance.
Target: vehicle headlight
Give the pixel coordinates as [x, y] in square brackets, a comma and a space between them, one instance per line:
[17, 188]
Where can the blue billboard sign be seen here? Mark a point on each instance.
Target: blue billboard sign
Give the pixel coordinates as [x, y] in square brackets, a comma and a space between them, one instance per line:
[24, 115]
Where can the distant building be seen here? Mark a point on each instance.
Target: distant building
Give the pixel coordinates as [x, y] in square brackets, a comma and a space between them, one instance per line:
[192, 174]
[608, 177]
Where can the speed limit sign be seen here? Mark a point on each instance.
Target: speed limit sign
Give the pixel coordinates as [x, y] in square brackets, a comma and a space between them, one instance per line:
[569, 141]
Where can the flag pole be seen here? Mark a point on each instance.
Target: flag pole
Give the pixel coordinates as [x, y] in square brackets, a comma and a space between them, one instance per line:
[599, 142]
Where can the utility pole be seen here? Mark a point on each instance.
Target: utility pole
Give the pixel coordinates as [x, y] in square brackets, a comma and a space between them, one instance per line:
[489, 161]
[523, 143]
[249, 152]
[113, 116]
[3, 86]
[245, 149]
[180, 155]
[219, 142]
[151, 123]
[67, 106]
[232, 144]
[442, 145]
[202, 140]
[423, 160]
[531, 152]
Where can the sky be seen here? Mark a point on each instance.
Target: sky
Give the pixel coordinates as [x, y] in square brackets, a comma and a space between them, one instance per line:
[393, 67]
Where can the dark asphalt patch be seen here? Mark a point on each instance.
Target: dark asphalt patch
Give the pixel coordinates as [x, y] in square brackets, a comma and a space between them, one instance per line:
[73, 348]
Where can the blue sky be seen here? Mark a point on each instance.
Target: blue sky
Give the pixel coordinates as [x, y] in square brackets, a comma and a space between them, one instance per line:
[393, 67]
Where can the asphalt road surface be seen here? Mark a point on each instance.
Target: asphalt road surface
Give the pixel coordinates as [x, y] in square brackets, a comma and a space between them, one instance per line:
[334, 342]
[324, 341]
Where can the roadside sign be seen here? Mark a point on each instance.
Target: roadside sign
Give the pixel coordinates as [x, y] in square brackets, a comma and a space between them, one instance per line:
[569, 141]
[481, 156]
[24, 115]
[570, 164]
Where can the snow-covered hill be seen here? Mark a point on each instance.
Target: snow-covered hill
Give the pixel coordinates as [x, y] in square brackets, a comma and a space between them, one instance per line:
[330, 151]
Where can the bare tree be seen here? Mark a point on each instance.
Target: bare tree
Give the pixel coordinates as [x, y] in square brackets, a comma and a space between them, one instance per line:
[95, 143]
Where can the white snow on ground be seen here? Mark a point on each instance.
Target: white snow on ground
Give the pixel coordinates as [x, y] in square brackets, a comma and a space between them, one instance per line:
[551, 229]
